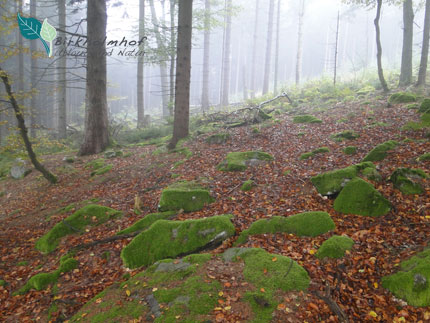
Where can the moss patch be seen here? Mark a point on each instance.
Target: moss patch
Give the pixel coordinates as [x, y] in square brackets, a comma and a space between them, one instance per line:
[321, 150]
[407, 180]
[425, 106]
[412, 282]
[350, 150]
[345, 135]
[310, 224]
[424, 157]
[2, 283]
[380, 152]
[88, 215]
[361, 198]
[402, 97]
[168, 239]
[239, 161]
[146, 222]
[219, 138]
[306, 118]
[187, 196]
[247, 186]
[102, 170]
[335, 247]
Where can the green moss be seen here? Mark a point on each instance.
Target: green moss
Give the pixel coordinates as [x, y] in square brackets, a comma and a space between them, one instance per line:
[425, 106]
[168, 239]
[424, 157]
[320, 150]
[310, 224]
[22, 263]
[219, 138]
[350, 150]
[345, 135]
[96, 164]
[306, 156]
[262, 314]
[380, 152]
[371, 174]
[88, 215]
[405, 179]
[361, 198]
[366, 90]
[247, 186]
[179, 163]
[102, 170]
[239, 161]
[402, 97]
[2, 283]
[128, 311]
[306, 119]
[146, 222]
[113, 154]
[411, 283]
[335, 247]
[187, 196]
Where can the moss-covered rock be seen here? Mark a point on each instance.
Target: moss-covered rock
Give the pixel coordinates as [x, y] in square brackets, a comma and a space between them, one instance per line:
[380, 152]
[402, 97]
[320, 150]
[218, 138]
[411, 283]
[147, 221]
[350, 150]
[366, 90]
[90, 215]
[247, 186]
[335, 247]
[113, 153]
[168, 239]
[407, 180]
[372, 174]
[102, 170]
[239, 161]
[96, 164]
[345, 135]
[425, 106]
[309, 224]
[306, 118]
[361, 198]
[424, 157]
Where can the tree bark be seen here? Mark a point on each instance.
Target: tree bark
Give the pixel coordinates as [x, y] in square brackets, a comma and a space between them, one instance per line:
[254, 50]
[278, 23]
[183, 72]
[62, 78]
[227, 49]
[172, 51]
[33, 77]
[300, 43]
[268, 59]
[206, 53]
[336, 52]
[141, 69]
[425, 47]
[23, 130]
[96, 137]
[407, 51]
[379, 47]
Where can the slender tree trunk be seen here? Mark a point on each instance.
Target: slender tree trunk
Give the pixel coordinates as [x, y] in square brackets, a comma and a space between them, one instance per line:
[254, 50]
[278, 26]
[172, 50]
[183, 72]
[33, 78]
[379, 46]
[245, 89]
[20, 56]
[23, 130]
[300, 43]
[61, 75]
[425, 47]
[336, 48]
[96, 137]
[227, 50]
[407, 51]
[206, 53]
[141, 69]
[268, 60]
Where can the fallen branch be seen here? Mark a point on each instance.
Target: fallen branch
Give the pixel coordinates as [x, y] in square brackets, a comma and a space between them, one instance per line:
[334, 307]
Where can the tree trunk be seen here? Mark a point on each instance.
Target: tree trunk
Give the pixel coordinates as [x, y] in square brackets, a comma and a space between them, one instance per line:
[278, 22]
[206, 53]
[20, 56]
[425, 47]
[254, 50]
[300, 43]
[183, 72]
[336, 49]
[379, 46]
[172, 51]
[33, 78]
[62, 78]
[227, 49]
[268, 60]
[407, 51]
[96, 137]
[23, 130]
[141, 69]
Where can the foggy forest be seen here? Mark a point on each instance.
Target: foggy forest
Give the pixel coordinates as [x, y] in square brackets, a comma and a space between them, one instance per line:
[214, 161]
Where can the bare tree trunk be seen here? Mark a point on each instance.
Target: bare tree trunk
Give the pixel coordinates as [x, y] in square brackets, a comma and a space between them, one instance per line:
[379, 46]
[172, 50]
[183, 72]
[96, 137]
[268, 60]
[20, 56]
[425, 47]
[300, 43]
[141, 69]
[254, 50]
[62, 78]
[245, 89]
[336, 48]
[33, 78]
[278, 22]
[407, 51]
[206, 53]
[227, 49]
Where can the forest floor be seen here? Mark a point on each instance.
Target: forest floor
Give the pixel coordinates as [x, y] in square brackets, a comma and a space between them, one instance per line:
[30, 207]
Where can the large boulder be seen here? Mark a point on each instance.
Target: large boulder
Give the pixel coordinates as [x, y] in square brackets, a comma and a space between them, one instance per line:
[402, 97]
[19, 169]
[335, 247]
[380, 152]
[407, 180]
[239, 161]
[425, 106]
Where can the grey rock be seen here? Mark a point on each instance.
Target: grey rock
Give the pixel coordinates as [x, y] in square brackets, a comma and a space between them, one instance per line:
[153, 305]
[230, 254]
[170, 266]
[207, 231]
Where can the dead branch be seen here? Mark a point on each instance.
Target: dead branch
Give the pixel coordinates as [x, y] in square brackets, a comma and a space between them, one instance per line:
[334, 307]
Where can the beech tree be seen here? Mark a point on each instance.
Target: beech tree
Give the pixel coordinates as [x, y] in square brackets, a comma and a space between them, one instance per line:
[206, 52]
[225, 79]
[140, 68]
[407, 50]
[254, 50]
[268, 48]
[425, 47]
[300, 42]
[61, 77]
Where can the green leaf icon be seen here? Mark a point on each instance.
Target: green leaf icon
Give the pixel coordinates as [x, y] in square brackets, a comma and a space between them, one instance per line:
[30, 28]
[48, 33]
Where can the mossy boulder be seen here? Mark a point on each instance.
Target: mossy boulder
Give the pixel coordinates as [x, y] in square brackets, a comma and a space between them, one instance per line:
[89, 215]
[350, 150]
[361, 198]
[187, 196]
[335, 247]
[239, 161]
[380, 152]
[345, 135]
[424, 157]
[147, 220]
[218, 138]
[169, 239]
[407, 180]
[402, 97]
[425, 106]
[411, 283]
[366, 90]
[320, 150]
[306, 118]
[309, 224]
